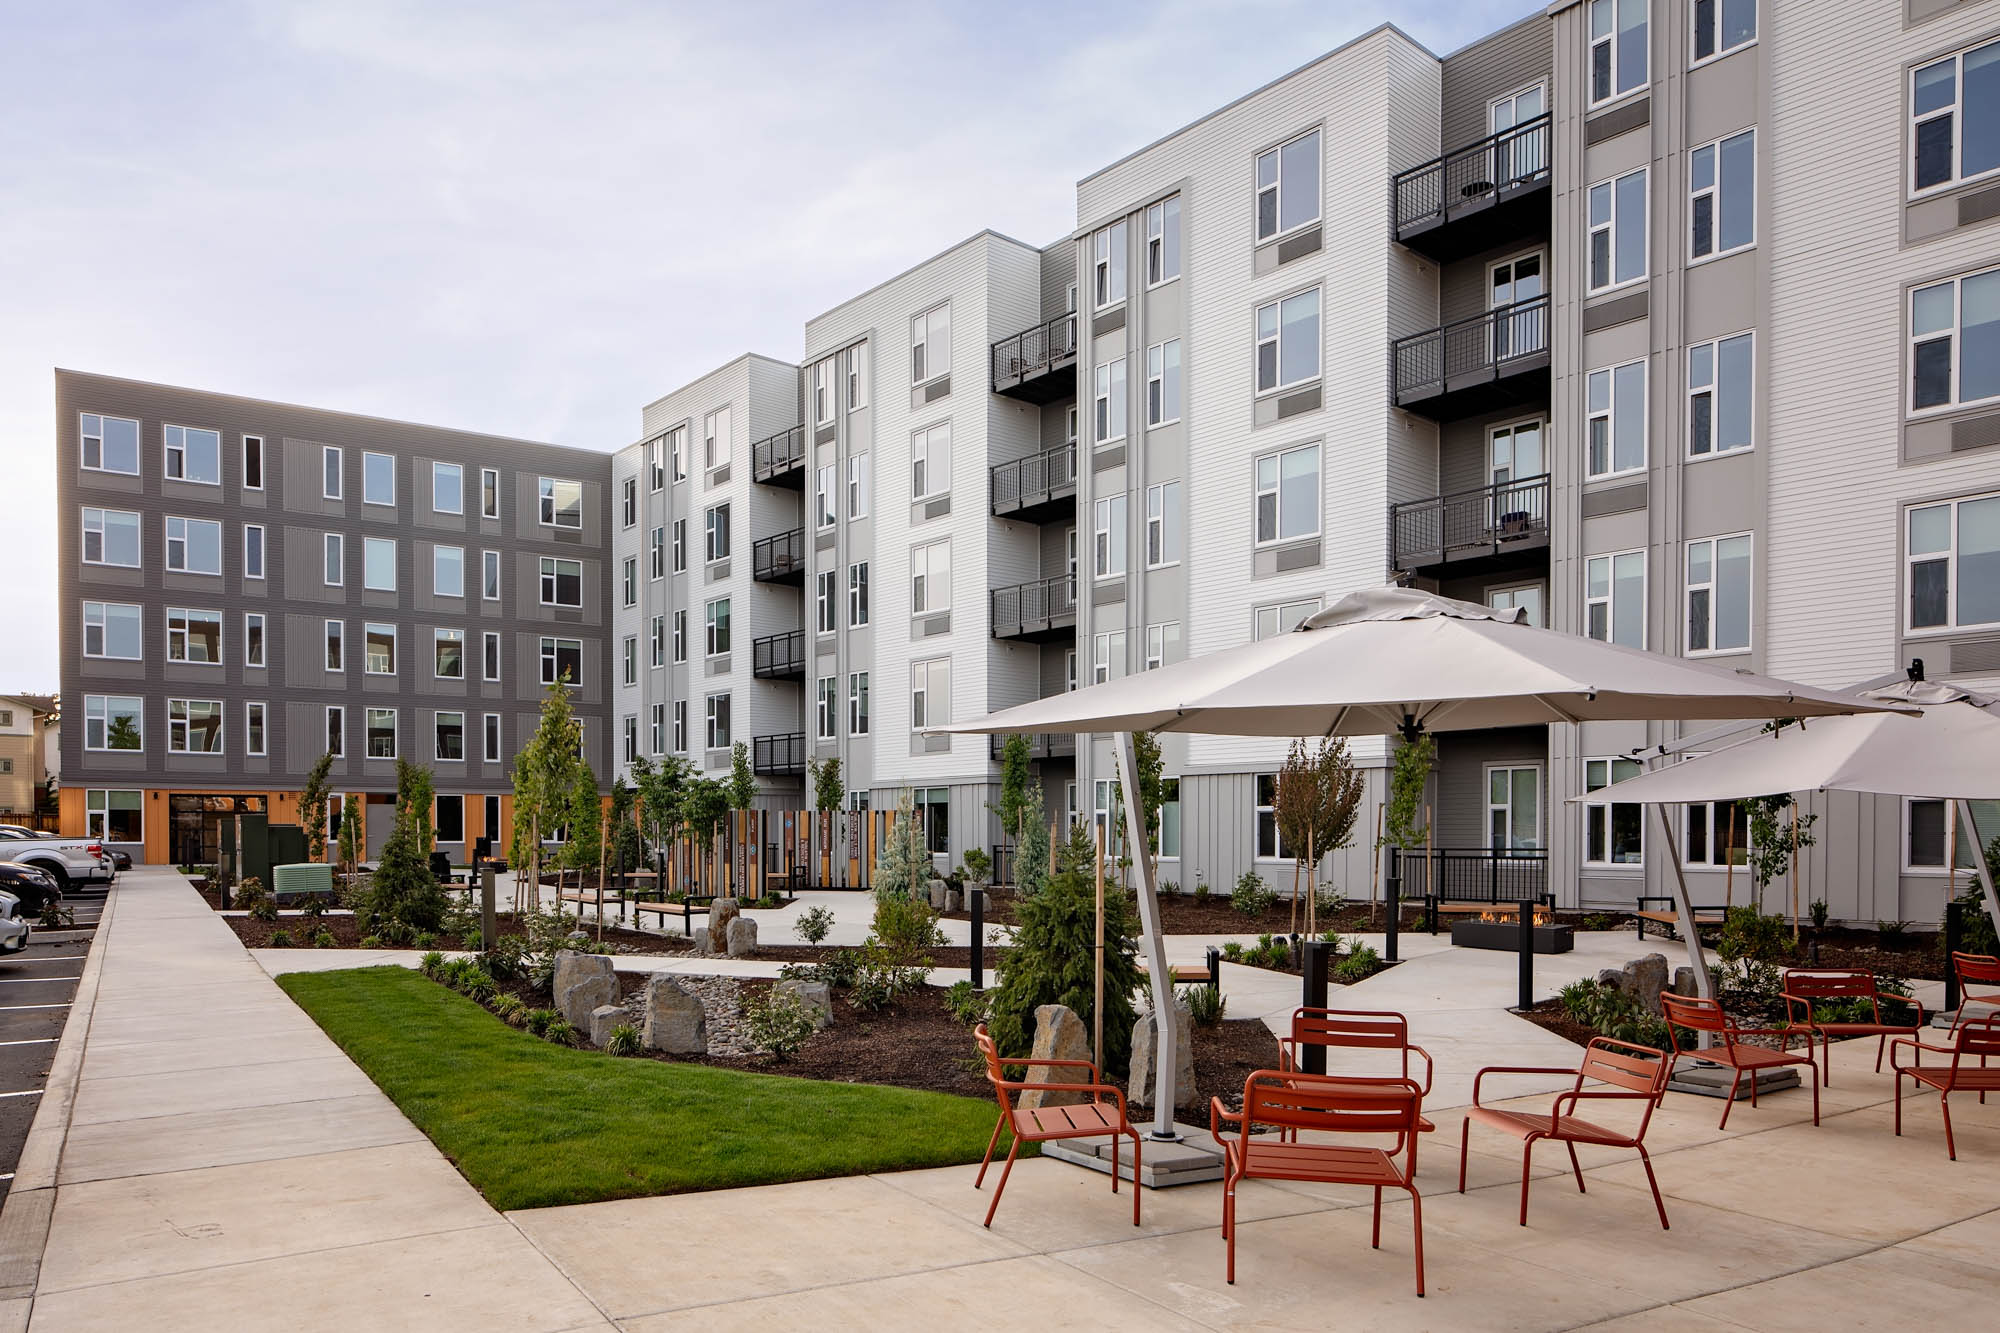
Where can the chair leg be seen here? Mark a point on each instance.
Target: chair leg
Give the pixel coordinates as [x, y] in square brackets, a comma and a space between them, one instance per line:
[1899, 1103]
[1575, 1166]
[1815, 1081]
[1881, 1045]
[1825, 1056]
[1001, 1187]
[1647, 1162]
[1375, 1241]
[1527, 1161]
[1944, 1109]
[1114, 1165]
[1464, 1149]
[1135, 1176]
[987, 1160]
[1417, 1230]
[1229, 1225]
[1729, 1102]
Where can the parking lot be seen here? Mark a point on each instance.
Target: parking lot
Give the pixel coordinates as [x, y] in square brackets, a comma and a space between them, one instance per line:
[36, 986]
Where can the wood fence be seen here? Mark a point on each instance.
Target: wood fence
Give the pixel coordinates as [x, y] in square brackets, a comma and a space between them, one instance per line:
[753, 851]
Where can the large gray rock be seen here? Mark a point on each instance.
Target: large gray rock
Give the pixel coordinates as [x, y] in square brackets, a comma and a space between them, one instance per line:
[603, 1019]
[954, 901]
[1643, 979]
[742, 937]
[1610, 976]
[675, 1021]
[816, 996]
[937, 890]
[1684, 981]
[720, 913]
[703, 942]
[1145, 1056]
[581, 983]
[1059, 1035]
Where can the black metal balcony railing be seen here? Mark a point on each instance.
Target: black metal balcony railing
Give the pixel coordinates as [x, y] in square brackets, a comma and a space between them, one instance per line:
[781, 457]
[1047, 746]
[1483, 521]
[779, 559]
[1471, 875]
[1040, 481]
[1034, 610]
[1023, 365]
[779, 656]
[1475, 175]
[1479, 349]
[779, 756]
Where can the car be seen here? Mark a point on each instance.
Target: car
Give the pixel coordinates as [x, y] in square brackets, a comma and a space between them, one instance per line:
[67, 861]
[16, 832]
[28, 885]
[22, 831]
[14, 929]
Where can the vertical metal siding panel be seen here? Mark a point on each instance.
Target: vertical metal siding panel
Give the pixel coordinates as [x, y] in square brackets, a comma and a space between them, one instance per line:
[1492, 67]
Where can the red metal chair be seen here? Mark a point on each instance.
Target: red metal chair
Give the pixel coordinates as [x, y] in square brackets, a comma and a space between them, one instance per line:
[1806, 986]
[1972, 1036]
[1103, 1114]
[1642, 1073]
[1362, 1029]
[1731, 1050]
[1294, 1101]
[1975, 969]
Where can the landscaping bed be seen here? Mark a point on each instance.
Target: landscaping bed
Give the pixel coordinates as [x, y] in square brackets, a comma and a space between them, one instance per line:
[1189, 914]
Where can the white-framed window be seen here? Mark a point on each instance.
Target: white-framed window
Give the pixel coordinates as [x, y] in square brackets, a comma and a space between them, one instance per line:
[378, 564]
[680, 545]
[1108, 405]
[677, 450]
[827, 601]
[656, 646]
[680, 726]
[930, 344]
[253, 729]
[192, 454]
[930, 693]
[194, 726]
[331, 473]
[489, 655]
[1288, 194]
[857, 594]
[114, 722]
[1531, 598]
[336, 645]
[111, 537]
[1955, 342]
[1614, 832]
[1619, 32]
[930, 462]
[1108, 541]
[560, 503]
[857, 703]
[451, 817]
[1107, 656]
[194, 545]
[715, 529]
[1069, 424]
[447, 488]
[378, 479]
[718, 721]
[656, 468]
[822, 391]
[717, 618]
[1954, 133]
[1720, 385]
[628, 509]
[1720, 26]
[1928, 837]
[1270, 838]
[336, 730]
[629, 579]
[825, 490]
[1107, 248]
[1722, 196]
[333, 559]
[561, 581]
[489, 492]
[110, 444]
[857, 486]
[680, 636]
[1069, 668]
[378, 649]
[930, 577]
[448, 571]
[1615, 420]
[1618, 226]
[1288, 495]
[253, 462]
[491, 730]
[656, 566]
[1614, 598]
[1163, 383]
[114, 629]
[1167, 842]
[629, 658]
[115, 816]
[194, 636]
[1163, 643]
[489, 576]
[562, 660]
[1719, 594]
[379, 732]
[1282, 617]
[448, 654]
[857, 376]
[1717, 833]
[1163, 241]
[253, 550]
[629, 729]
[1163, 524]
[827, 714]
[1288, 341]
[1952, 559]
[657, 729]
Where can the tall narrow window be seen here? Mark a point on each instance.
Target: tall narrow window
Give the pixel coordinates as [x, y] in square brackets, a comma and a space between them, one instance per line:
[1955, 118]
[253, 728]
[1107, 656]
[1615, 598]
[930, 462]
[857, 594]
[489, 492]
[656, 567]
[1613, 831]
[1109, 404]
[379, 726]
[1163, 524]
[1163, 382]
[825, 491]
[378, 650]
[828, 601]
[680, 636]
[629, 580]
[1288, 193]
[336, 730]
[828, 711]
[857, 376]
[448, 654]
[821, 382]
[717, 631]
[680, 726]
[628, 514]
[1718, 595]
[677, 450]
[680, 545]
[718, 722]
[1163, 644]
[658, 641]
[1108, 542]
[489, 655]
[857, 703]
[658, 729]
[629, 730]
[656, 466]
[1108, 268]
[1163, 241]
[930, 578]
[1618, 55]
[253, 550]
[1288, 342]
[489, 576]
[629, 659]
[1722, 196]
[716, 527]
[1617, 224]
[930, 344]
[253, 462]
[717, 437]
[1719, 389]
[330, 484]
[930, 694]
[333, 550]
[1615, 421]
[336, 645]
[253, 638]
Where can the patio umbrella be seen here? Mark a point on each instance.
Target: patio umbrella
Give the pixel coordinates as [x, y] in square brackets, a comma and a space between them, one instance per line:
[1393, 660]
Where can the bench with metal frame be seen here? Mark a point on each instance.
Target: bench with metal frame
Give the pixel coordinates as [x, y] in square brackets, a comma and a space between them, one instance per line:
[1668, 918]
[684, 909]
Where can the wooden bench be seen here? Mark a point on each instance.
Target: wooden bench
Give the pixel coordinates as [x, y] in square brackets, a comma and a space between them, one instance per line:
[1209, 975]
[1667, 918]
[685, 909]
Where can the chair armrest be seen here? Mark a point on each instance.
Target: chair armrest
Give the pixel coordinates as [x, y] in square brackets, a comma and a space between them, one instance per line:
[1217, 1113]
[1918, 1046]
[1098, 1088]
[1091, 1065]
[1512, 1069]
[1430, 1068]
[1790, 1000]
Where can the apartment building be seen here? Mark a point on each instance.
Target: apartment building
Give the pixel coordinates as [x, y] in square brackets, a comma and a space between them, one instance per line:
[27, 726]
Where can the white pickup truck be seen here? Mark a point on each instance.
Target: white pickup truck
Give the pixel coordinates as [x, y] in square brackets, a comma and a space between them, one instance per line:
[69, 861]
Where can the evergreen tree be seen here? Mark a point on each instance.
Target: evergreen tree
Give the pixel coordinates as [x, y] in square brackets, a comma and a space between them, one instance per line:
[1031, 854]
[404, 896]
[902, 861]
[312, 807]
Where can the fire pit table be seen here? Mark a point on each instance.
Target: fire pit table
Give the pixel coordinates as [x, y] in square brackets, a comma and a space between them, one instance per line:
[1499, 927]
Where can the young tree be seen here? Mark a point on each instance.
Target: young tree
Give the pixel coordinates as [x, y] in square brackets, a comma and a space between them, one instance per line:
[1318, 802]
[544, 778]
[584, 813]
[902, 861]
[627, 849]
[312, 807]
[349, 854]
[416, 800]
[1031, 853]
[742, 785]
[1403, 824]
[404, 896]
[826, 784]
[706, 802]
[663, 790]
[1016, 759]
[1778, 830]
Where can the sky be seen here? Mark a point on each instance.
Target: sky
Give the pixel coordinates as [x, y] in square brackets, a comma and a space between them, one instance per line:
[532, 219]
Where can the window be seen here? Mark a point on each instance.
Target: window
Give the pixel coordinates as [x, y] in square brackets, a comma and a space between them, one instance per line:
[193, 454]
[110, 444]
[824, 488]
[450, 747]
[828, 601]
[717, 642]
[561, 503]
[930, 344]
[857, 703]
[1288, 186]
[1955, 342]
[930, 578]
[677, 448]
[1107, 656]
[1108, 266]
[629, 655]
[1270, 621]
[111, 537]
[562, 660]
[1618, 36]
[1288, 495]
[1721, 26]
[378, 479]
[1955, 118]
[333, 559]
[1615, 423]
[680, 545]
[1927, 833]
[489, 575]
[378, 649]
[717, 436]
[1168, 841]
[451, 819]
[378, 563]
[658, 648]
[1718, 595]
[489, 492]
[1618, 224]
[194, 636]
[680, 636]
[1718, 834]
[448, 654]
[1163, 524]
[1108, 543]
[562, 581]
[1163, 241]
[1288, 342]
[1163, 382]
[716, 525]
[330, 471]
[380, 732]
[113, 629]
[1270, 841]
[115, 816]
[1614, 598]
[857, 486]
[656, 468]
[253, 550]
[629, 732]
[680, 726]
[821, 378]
[447, 488]
[253, 638]
[1069, 424]
[1954, 564]
[194, 726]
[857, 376]
[1108, 411]
[253, 728]
[1719, 388]
[336, 731]
[629, 578]
[857, 594]
[1722, 196]
[657, 729]
[253, 463]
[1613, 831]
[718, 722]
[113, 722]
[828, 716]
[1531, 598]
[933, 809]
[656, 558]
[629, 503]
[194, 546]
[336, 645]
[1069, 668]
[448, 571]
[1163, 644]
[489, 653]
[930, 693]
[492, 739]
[930, 462]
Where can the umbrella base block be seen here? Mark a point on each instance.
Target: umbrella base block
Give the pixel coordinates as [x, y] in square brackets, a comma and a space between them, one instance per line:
[1713, 1080]
[1191, 1160]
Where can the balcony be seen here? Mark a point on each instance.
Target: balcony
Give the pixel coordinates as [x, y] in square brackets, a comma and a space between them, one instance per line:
[1477, 197]
[781, 459]
[1482, 364]
[780, 559]
[1472, 532]
[1040, 747]
[1040, 612]
[1037, 488]
[779, 756]
[779, 656]
[1038, 365]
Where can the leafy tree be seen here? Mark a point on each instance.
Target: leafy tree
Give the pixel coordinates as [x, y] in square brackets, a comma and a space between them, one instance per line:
[350, 834]
[826, 784]
[312, 807]
[627, 849]
[404, 896]
[705, 804]
[663, 792]
[1016, 758]
[419, 798]
[1777, 829]
[742, 785]
[1031, 853]
[584, 813]
[1409, 771]
[544, 780]
[1318, 801]
[902, 861]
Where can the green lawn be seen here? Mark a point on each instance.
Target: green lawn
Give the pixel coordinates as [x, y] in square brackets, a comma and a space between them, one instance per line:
[531, 1124]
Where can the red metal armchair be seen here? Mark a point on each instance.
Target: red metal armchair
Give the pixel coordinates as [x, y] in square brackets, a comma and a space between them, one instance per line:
[1731, 1051]
[1638, 1073]
[1103, 1114]
[1806, 986]
[1976, 969]
[1362, 1029]
[1972, 1036]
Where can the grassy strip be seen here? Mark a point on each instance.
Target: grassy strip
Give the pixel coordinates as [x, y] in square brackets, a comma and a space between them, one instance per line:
[531, 1124]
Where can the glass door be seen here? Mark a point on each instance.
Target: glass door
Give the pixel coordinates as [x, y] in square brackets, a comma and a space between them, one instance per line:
[1509, 283]
[1513, 808]
[1519, 157]
[1515, 454]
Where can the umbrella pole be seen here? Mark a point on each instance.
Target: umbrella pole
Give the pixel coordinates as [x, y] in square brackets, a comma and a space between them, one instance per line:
[1097, 1004]
[1795, 871]
[1729, 861]
[1979, 865]
[1704, 985]
[1165, 1017]
[1375, 868]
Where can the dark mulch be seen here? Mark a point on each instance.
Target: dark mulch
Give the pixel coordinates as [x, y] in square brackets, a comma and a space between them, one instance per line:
[1549, 1014]
[1186, 914]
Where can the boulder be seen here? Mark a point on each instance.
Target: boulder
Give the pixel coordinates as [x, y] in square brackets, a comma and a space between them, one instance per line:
[1684, 981]
[720, 913]
[1610, 976]
[604, 1018]
[582, 981]
[1643, 979]
[1145, 1051]
[1059, 1035]
[937, 890]
[954, 901]
[704, 942]
[814, 995]
[675, 1021]
[742, 937]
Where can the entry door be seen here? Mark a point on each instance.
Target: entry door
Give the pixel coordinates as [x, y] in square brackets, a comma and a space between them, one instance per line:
[1510, 282]
[1521, 157]
[1513, 808]
[1515, 454]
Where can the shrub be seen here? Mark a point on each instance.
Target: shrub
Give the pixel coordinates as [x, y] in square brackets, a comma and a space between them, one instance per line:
[977, 865]
[311, 908]
[1613, 1013]
[561, 1033]
[1819, 913]
[537, 1021]
[325, 939]
[838, 968]
[1753, 944]
[1361, 963]
[256, 900]
[281, 939]
[509, 1009]
[1601, 921]
[814, 924]
[54, 916]
[1205, 1004]
[904, 929]
[871, 989]
[424, 939]
[964, 1003]
[372, 942]
[1893, 934]
[1232, 952]
[431, 964]
[1251, 897]
[624, 1040]
[779, 1022]
[1328, 900]
[1201, 889]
